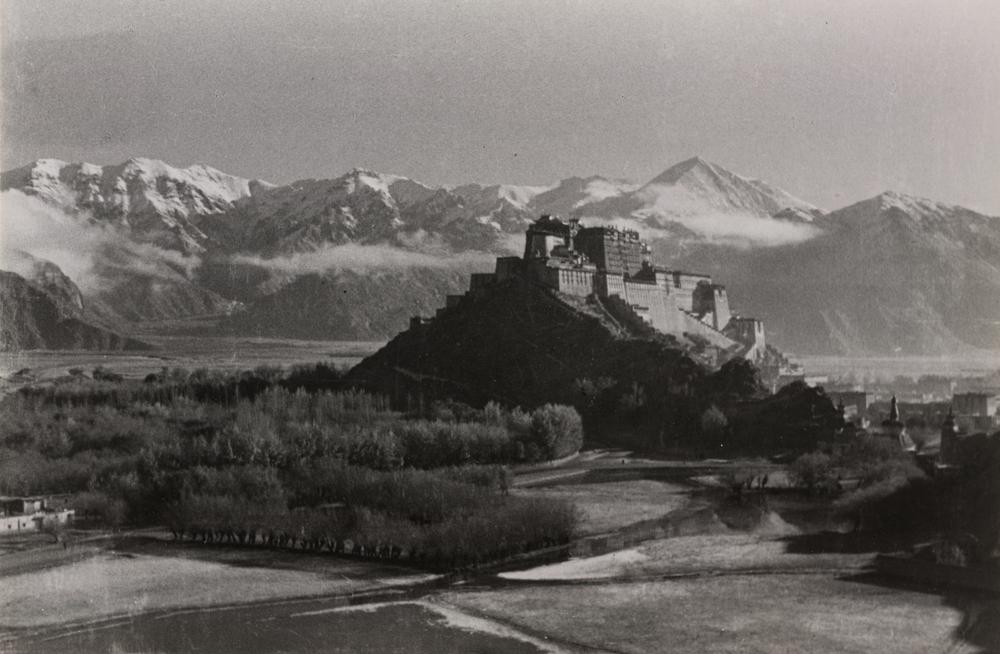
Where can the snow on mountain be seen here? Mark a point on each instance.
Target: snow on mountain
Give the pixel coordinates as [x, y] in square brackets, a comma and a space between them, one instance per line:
[407, 191]
[506, 207]
[710, 201]
[149, 199]
[798, 215]
[893, 273]
[306, 215]
[574, 193]
[695, 186]
[519, 196]
[890, 273]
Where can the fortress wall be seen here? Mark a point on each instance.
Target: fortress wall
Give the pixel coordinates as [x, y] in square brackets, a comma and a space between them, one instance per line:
[659, 307]
[711, 303]
[684, 285]
[480, 281]
[663, 280]
[541, 245]
[572, 281]
[748, 331]
[607, 285]
[722, 313]
[508, 267]
[692, 325]
[610, 250]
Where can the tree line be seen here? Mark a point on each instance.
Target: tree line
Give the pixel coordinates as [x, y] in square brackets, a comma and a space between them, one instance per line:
[249, 457]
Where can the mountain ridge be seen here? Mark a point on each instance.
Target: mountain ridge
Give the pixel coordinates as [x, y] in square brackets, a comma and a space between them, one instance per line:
[777, 252]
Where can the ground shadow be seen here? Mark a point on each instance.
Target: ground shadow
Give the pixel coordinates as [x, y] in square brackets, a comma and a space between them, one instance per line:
[980, 626]
[835, 542]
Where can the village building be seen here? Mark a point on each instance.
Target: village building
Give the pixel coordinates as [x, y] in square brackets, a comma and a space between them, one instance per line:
[21, 514]
[976, 411]
[855, 403]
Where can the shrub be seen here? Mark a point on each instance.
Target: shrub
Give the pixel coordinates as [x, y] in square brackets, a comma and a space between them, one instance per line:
[814, 470]
[556, 430]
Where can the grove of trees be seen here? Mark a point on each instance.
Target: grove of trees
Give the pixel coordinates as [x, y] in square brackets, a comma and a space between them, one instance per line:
[269, 458]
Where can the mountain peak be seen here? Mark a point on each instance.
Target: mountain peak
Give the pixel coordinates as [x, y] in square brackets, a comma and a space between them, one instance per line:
[674, 174]
[697, 186]
[909, 204]
[364, 177]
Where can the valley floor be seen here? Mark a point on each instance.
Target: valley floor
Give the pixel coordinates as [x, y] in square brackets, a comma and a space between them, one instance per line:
[718, 589]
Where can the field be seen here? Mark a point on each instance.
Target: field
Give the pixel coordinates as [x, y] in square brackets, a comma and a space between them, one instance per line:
[887, 368]
[732, 613]
[726, 551]
[141, 576]
[605, 507]
[217, 353]
[745, 587]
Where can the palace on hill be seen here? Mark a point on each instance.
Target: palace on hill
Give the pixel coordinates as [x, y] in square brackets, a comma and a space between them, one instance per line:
[603, 261]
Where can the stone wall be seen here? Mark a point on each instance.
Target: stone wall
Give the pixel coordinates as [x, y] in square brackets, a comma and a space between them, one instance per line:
[653, 305]
[607, 285]
[571, 281]
[710, 302]
[611, 250]
[683, 285]
[691, 325]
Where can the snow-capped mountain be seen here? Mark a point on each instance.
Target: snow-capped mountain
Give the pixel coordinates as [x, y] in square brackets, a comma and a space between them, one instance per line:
[152, 201]
[574, 193]
[892, 273]
[366, 207]
[700, 199]
[305, 215]
[705, 184]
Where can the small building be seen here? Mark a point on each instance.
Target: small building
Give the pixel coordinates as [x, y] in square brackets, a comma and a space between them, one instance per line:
[20, 514]
[977, 411]
[855, 403]
[20, 505]
[976, 404]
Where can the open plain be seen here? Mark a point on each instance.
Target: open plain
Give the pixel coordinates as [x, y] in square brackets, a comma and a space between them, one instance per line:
[728, 587]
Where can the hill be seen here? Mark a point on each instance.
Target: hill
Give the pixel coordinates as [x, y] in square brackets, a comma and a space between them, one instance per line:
[46, 316]
[346, 305]
[893, 273]
[522, 345]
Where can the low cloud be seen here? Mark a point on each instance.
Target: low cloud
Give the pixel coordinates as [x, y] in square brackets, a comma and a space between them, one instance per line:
[720, 223]
[29, 225]
[84, 251]
[364, 258]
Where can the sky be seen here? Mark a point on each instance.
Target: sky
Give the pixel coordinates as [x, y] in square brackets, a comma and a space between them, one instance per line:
[832, 101]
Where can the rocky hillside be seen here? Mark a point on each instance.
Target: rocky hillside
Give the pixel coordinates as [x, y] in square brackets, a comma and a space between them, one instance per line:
[524, 346]
[45, 313]
[347, 305]
[890, 274]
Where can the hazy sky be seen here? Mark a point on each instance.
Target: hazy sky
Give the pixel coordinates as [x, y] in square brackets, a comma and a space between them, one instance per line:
[833, 101]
